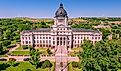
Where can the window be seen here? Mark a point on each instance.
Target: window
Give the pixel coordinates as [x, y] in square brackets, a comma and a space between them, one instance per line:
[53, 42]
[68, 38]
[43, 37]
[23, 42]
[26, 37]
[49, 37]
[43, 41]
[22, 37]
[29, 42]
[40, 37]
[68, 42]
[37, 41]
[26, 42]
[46, 37]
[92, 37]
[98, 37]
[87, 37]
[95, 37]
[29, 38]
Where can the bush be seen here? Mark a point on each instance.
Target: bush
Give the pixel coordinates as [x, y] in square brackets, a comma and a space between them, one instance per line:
[28, 70]
[74, 64]
[49, 51]
[46, 64]
[12, 59]
[12, 62]
[25, 47]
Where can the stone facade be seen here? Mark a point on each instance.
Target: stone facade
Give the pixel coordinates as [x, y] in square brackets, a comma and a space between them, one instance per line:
[60, 34]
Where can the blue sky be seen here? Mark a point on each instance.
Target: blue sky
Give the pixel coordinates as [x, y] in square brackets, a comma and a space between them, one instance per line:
[47, 8]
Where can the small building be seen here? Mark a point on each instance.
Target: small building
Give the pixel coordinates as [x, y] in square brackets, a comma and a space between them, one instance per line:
[60, 34]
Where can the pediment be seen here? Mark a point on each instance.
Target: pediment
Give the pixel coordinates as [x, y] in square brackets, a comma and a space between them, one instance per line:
[61, 25]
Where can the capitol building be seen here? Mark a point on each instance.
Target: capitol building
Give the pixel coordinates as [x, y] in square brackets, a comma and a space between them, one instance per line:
[60, 34]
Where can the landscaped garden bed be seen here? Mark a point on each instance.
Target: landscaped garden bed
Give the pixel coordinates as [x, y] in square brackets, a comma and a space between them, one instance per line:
[25, 66]
[19, 53]
[71, 68]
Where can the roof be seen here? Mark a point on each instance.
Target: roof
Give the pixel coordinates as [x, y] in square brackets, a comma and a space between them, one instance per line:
[38, 30]
[84, 30]
[61, 12]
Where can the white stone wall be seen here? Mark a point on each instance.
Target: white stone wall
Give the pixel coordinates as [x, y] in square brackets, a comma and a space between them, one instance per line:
[48, 39]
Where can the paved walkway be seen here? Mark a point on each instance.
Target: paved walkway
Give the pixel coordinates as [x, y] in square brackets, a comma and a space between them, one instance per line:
[61, 57]
[14, 48]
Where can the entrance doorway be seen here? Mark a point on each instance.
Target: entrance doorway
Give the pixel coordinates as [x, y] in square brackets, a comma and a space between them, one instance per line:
[61, 41]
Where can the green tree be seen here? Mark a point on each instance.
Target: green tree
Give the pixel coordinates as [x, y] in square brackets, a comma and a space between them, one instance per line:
[6, 43]
[103, 56]
[34, 57]
[47, 64]
[1, 48]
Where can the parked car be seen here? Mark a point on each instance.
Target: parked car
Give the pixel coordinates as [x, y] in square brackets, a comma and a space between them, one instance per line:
[3, 59]
[26, 59]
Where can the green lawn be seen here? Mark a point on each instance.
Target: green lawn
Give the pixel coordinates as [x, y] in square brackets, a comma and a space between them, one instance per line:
[26, 65]
[77, 49]
[3, 55]
[41, 49]
[20, 53]
[20, 48]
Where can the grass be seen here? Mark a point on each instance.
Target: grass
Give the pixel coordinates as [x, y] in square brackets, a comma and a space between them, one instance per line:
[20, 48]
[26, 51]
[13, 42]
[3, 55]
[77, 49]
[25, 65]
[20, 53]
[41, 49]
[73, 54]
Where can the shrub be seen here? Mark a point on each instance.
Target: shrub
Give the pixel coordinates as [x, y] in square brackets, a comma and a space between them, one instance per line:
[49, 51]
[74, 64]
[28, 70]
[25, 47]
[46, 64]
[12, 59]
[12, 62]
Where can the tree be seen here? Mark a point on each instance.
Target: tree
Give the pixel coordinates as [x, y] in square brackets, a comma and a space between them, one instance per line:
[6, 42]
[47, 64]
[1, 48]
[74, 64]
[103, 56]
[34, 57]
